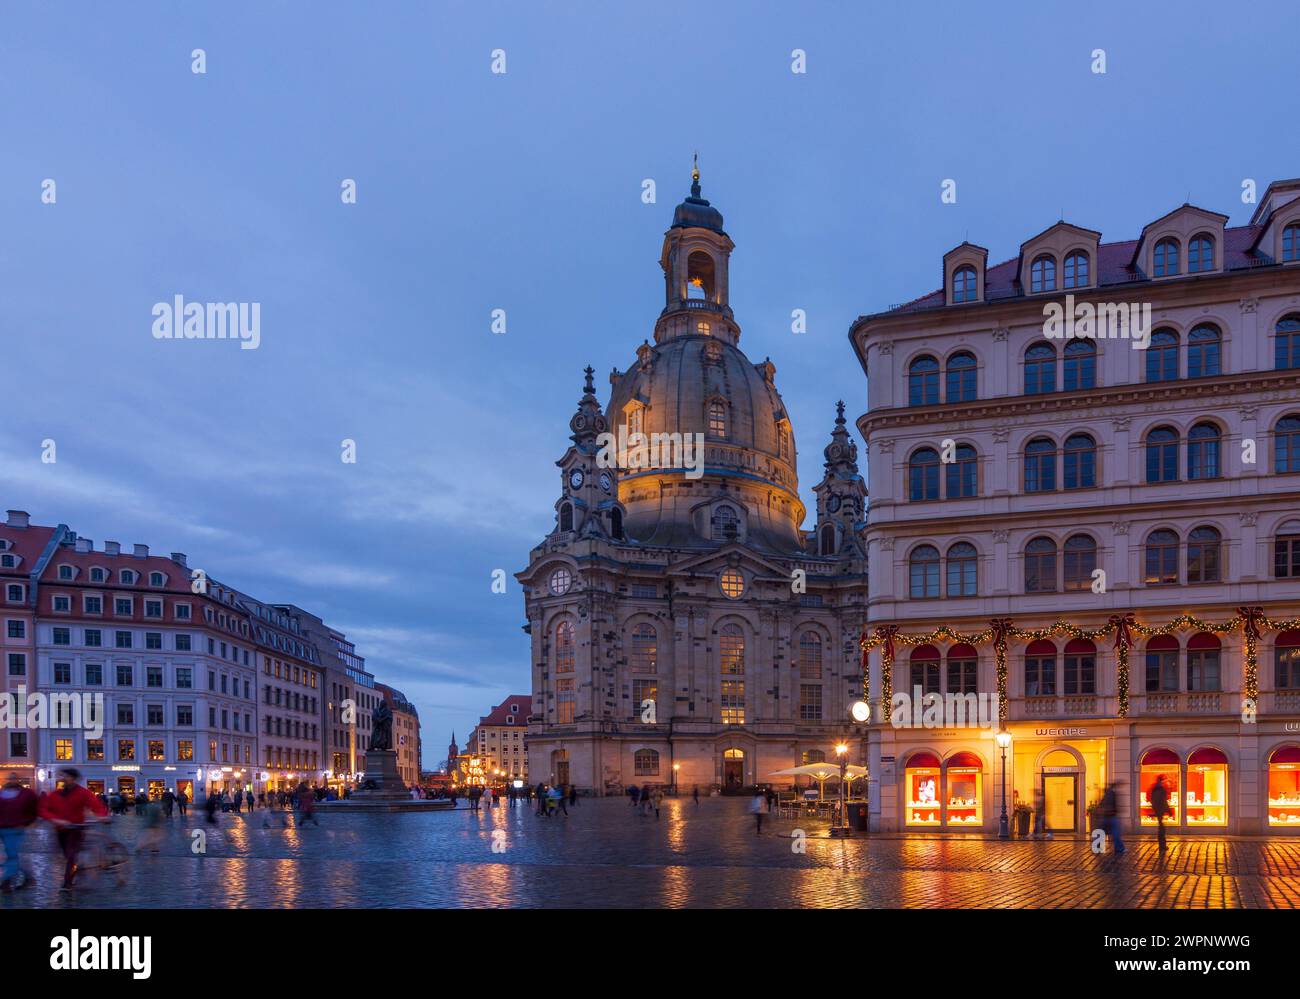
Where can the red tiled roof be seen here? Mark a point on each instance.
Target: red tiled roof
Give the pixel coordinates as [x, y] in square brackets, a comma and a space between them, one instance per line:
[1113, 269]
[177, 576]
[501, 712]
[27, 543]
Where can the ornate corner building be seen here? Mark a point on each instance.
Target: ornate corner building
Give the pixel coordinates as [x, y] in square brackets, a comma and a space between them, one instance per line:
[1105, 538]
[685, 628]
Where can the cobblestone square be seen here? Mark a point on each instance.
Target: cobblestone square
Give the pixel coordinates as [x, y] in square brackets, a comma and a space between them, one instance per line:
[603, 854]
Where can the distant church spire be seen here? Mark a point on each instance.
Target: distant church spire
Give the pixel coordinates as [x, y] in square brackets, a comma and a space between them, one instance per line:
[695, 177]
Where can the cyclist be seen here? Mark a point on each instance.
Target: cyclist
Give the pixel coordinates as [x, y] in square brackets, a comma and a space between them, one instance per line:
[66, 808]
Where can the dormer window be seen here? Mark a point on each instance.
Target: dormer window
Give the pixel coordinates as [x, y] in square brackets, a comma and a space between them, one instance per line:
[1042, 274]
[96, 575]
[725, 525]
[8, 561]
[1200, 254]
[128, 576]
[155, 579]
[963, 285]
[65, 572]
[1166, 258]
[1076, 270]
[1291, 243]
[635, 415]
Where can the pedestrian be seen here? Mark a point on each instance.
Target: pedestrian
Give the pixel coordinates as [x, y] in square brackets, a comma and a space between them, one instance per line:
[151, 838]
[1110, 817]
[306, 810]
[573, 794]
[541, 798]
[168, 802]
[758, 808]
[1159, 798]
[487, 796]
[657, 797]
[18, 808]
[182, 799]
[1040, 814]
[695, 794]
[211, 805]
[634, 794]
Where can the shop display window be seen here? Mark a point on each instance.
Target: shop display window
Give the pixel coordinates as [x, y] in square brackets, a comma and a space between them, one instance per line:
[95, 786]
[156, 789]
[1155, 764]
[964, 774]
[1207, 788]
[126, 785]
[1284, 787]
[921, 782]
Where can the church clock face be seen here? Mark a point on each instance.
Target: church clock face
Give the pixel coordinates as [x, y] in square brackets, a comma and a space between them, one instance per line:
[576, 478]
[833, 504]
[605, 481]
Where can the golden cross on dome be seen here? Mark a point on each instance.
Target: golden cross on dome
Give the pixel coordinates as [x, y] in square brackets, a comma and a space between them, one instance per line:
[695, 169]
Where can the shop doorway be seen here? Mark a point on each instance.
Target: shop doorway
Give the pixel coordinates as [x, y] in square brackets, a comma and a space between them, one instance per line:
[1060, 802]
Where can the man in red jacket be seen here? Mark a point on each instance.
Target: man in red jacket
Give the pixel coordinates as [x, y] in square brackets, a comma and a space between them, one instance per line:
[67, 808]
[17, 812]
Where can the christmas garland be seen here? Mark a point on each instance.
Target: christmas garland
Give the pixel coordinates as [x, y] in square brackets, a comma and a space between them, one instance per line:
[1251, 620]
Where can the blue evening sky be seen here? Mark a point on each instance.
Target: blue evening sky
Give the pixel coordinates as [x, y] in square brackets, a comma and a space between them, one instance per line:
[521, 192]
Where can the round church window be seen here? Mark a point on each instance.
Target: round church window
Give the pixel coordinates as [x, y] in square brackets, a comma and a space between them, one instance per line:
[561, 580]
[732, 583]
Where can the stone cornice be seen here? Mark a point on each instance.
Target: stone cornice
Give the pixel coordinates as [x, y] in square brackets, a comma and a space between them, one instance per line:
[1222, 389]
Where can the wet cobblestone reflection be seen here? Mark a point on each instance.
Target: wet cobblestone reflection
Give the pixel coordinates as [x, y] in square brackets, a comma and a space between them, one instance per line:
[605, 855]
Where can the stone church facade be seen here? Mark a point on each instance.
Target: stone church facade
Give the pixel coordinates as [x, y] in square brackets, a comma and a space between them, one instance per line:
[685, 628]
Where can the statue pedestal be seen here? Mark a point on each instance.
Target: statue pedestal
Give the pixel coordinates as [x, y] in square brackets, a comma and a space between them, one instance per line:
[381, 768]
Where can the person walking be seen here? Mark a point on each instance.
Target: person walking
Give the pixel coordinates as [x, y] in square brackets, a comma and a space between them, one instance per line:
[182, 799]
[168, 802]
[1159, 797]
[573, 794]
[1040, 814]
[18, 808]
[67, 809]
[758, 808]
[487, 797]
[211, 805]
[541, 798]
[657, 798]
[695, 795]
[1110, 817]
[306, 810]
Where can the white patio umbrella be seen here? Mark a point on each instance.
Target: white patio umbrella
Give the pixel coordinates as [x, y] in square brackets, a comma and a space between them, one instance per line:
[821, 773]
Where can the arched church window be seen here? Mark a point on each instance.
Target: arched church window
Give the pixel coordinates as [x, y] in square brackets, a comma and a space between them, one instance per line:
[564, 647]
[566, 517]
[731, 659]
[645, 649]
[725, 524]
[616, 524]
[718, 419]
[810, 656]
[827, 544]
[635, 416]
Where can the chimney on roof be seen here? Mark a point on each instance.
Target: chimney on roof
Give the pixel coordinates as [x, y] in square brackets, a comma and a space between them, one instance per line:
[17, 518]
[112, 548]
[83, 546]
[141, 551]
[179, 558]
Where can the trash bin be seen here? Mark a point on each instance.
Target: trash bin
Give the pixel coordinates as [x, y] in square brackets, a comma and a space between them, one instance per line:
[857, 816]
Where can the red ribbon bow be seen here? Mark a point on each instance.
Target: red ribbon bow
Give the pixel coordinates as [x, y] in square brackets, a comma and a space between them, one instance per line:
[1001, 628]
[1122, 623]
[886, 633]
[1251, 617]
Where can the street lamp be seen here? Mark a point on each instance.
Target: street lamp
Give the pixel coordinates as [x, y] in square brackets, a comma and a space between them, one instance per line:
[676, 767]
[842, 751]
[1004, 740]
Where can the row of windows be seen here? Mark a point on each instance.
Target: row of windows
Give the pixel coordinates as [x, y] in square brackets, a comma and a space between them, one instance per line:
[289, 699]
[97, 574]
[1167, 666]
[1168, 457]
[1075, 367]
[1167, 261]
[124, 676]
[1166, 560]
[93, 604]
[93, 751]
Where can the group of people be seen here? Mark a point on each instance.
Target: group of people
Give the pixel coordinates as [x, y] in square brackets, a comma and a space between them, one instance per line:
[69, 808]
[649, 798]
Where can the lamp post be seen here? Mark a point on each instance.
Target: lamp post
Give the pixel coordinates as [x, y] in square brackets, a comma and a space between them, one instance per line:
[842, 752]
[1004, 740]
[676, 767]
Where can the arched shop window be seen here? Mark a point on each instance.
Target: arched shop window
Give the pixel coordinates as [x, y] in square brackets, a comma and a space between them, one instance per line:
[922, 789]
[1284, 787]
[1080, 667]
[962, 774]
[1286, 663]
[1207, 788]
[925, 672]
[1157, 763]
